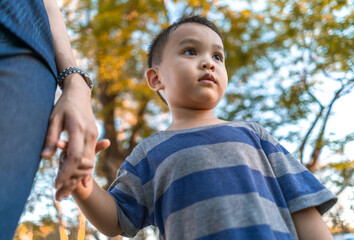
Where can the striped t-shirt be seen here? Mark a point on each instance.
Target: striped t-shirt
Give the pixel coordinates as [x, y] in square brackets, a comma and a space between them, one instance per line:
[225, 181]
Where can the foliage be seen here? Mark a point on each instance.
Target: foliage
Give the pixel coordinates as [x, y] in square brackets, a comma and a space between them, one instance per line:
[277, 59]
[339, 225]
[48, 230]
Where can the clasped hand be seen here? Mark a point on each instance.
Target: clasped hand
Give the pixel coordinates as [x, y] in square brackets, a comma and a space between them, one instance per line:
[85, 168]
[73, 113]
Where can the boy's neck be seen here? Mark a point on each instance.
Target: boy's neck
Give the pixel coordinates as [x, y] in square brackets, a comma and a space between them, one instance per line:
[191, 118]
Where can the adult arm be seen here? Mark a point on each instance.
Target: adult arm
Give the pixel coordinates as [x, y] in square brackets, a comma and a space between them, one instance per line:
[310, 226]
[72, 112]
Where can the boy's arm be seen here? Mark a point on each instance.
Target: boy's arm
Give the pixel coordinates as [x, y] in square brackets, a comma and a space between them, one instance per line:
[99, 208]
[310, 226]
[97, 205]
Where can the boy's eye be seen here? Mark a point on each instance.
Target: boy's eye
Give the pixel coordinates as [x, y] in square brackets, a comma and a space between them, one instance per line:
[190, 52]
[217, 57]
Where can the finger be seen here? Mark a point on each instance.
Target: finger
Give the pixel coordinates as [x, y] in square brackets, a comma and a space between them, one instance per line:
[62, 158]
[68, 186]
[85, 170]
[74, 156]
[90, 144]
[64, 174]
[66, 190]
[85, 164]
[86, 180]
[62, 144]
[80, 173]
[102, 145]
[77, 174]
[53, 134]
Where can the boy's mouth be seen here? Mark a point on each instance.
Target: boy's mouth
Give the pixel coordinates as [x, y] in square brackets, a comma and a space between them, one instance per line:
[207, 78]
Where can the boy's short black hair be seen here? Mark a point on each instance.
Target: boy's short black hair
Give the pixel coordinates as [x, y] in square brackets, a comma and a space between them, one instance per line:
[159, 42]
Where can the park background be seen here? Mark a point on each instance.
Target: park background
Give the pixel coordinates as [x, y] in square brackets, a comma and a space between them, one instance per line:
[290, 67]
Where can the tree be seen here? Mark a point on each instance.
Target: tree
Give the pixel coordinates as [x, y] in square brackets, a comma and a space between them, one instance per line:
[300, 47]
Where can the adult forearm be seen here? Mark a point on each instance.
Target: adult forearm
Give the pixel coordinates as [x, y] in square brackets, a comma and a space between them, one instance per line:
[99, 208]
[64, 56]
[63, 53]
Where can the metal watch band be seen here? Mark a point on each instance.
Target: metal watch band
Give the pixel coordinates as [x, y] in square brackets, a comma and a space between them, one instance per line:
[71, 70]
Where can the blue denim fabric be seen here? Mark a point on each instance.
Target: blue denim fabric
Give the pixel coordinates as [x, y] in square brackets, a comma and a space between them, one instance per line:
[28, 20]
[27, 89]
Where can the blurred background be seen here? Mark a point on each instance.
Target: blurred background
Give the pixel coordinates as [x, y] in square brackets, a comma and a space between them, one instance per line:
[290, 68]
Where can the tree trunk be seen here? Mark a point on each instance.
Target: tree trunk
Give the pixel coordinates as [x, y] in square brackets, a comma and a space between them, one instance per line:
[82, 227]
[111, 158]
[62, 225]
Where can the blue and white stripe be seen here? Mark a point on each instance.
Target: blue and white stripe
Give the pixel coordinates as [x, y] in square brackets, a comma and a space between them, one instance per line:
[227, 181]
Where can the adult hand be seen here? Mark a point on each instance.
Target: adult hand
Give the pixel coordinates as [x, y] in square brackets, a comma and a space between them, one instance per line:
[73, 113]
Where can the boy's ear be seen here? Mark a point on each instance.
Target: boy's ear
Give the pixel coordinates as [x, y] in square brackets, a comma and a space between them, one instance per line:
[153, 79]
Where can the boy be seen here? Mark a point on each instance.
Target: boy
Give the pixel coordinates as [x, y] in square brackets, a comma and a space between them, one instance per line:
[204, 178]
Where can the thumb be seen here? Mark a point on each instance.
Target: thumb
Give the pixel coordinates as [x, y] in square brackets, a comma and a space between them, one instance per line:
[102, 145]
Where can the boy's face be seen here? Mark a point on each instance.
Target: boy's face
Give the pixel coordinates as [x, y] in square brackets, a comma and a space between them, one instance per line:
[192, 71]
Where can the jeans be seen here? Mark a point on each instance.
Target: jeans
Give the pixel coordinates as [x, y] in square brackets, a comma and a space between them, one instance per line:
[27, 90]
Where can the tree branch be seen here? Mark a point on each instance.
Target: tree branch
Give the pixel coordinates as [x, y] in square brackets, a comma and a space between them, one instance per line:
[139, 124]
[319, 142]
[309, 131]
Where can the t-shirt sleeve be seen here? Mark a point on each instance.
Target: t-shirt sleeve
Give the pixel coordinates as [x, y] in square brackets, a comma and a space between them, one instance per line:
[128, 194]
[300, 187]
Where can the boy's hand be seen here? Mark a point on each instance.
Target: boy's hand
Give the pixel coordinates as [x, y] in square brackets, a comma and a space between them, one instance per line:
[85, 168]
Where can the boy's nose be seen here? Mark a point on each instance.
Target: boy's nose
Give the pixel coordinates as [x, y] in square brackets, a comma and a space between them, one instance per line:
[207, 65]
